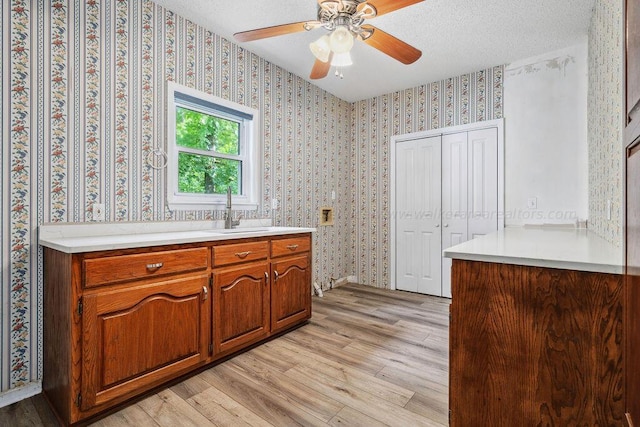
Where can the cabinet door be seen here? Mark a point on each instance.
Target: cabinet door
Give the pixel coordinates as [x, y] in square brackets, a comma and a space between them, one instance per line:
[290, 292]
[241, 305]
[136, 337]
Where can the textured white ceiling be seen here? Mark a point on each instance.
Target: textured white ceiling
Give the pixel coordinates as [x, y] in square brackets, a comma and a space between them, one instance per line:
[455, 36]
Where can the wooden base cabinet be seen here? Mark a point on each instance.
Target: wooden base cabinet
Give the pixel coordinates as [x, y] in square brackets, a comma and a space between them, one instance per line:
[120, 323]
[533, 346]
[131, 339]
[290, 297]
[241, 308]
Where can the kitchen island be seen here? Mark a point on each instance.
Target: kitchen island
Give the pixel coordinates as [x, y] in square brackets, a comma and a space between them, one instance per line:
[537, 334]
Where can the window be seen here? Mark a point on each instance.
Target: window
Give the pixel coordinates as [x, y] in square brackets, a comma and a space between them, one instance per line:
[211, 145]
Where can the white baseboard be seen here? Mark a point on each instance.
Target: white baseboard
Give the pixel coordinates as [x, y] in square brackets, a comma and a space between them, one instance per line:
[17, 394]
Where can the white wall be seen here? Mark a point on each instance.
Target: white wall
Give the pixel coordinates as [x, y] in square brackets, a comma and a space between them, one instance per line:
[546, 150]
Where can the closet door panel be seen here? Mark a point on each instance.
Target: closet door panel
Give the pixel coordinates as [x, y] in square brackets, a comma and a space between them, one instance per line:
[454, 198]
[483, 182]
[418, 199]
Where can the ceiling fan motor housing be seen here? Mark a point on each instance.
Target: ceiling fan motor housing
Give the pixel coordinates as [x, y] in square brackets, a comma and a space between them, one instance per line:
[344, 13]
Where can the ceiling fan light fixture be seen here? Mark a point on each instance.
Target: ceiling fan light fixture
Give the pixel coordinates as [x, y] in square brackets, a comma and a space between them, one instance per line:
[320, 48]
[341, 40]
[341, 59]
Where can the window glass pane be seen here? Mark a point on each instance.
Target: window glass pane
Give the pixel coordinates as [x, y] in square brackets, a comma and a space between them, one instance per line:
[206, 132]
[208, 175]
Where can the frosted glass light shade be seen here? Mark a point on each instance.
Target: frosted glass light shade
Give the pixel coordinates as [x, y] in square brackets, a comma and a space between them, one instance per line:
[341, 59]
[320, 48]
[341, 40]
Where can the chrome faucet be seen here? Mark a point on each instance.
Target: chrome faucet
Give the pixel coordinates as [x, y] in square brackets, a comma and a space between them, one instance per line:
[229, 222]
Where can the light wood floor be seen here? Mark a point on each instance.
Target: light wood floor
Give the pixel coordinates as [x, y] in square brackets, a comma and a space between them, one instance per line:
[369, 357]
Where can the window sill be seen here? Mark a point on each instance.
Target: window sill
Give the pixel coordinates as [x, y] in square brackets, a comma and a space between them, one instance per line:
[212, 206]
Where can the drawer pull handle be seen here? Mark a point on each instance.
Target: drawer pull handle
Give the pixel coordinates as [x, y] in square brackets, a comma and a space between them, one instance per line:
[275, 273]
[266, 277]
[242, 255]
[154, 266]
[292, 247]
[206, 293]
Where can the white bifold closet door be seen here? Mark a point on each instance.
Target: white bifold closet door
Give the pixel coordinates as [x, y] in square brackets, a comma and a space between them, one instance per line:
[446, 193]
[469, 190]
[418, 194]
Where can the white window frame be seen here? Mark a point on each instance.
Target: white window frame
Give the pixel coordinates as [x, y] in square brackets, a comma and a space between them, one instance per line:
[249, 150]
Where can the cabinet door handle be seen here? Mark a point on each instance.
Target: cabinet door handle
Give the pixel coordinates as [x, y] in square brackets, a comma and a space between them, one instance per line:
[275, 273]
[205, 292]
[266, 276]
[242, 255]
[154, 266]
[292, 247]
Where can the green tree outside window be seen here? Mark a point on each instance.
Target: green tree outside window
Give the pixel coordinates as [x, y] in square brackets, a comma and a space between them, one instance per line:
[202, 170]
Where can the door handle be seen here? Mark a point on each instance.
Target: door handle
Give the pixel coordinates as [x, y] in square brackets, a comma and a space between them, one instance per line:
[275, 273]
[205, 292]
[437, 225]
[446, 225]
[266, 277]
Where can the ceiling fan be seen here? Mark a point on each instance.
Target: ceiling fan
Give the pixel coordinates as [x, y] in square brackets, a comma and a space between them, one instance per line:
[344, 19]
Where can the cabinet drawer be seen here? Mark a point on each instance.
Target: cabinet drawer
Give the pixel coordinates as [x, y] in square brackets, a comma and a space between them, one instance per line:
[240, 252]
[100, 271]
[290, 246]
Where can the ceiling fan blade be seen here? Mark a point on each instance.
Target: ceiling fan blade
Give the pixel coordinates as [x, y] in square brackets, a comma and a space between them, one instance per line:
[386, 6]
[392, 46]
[321, 69]
[277, 30]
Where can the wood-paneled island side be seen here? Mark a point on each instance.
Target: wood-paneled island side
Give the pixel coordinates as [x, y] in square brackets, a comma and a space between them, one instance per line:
[537, 332]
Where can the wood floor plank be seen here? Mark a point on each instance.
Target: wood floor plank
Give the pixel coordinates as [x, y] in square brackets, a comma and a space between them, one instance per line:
[368, 357]
[221, 410]
[349, 417]
[274, 408]
[425, 381]
[132, 415]
[168, 410]
[362, 401]
[429, 407]
[352, 376]
[20, 414]
[321, 407]
[190, 387]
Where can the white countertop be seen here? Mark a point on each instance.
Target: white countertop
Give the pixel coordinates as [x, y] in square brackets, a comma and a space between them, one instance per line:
[564, 248]
[91, 237]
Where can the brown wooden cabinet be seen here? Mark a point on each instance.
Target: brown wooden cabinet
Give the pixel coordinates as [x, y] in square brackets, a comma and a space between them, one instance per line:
[290, 293]
[138, 335]
[291, 282]
[119, 323]
[241, 308]
[532, 346]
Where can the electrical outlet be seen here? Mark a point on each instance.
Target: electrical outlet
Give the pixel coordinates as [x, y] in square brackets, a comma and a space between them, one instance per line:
[274, 204]
[333, 195]
[98, 211]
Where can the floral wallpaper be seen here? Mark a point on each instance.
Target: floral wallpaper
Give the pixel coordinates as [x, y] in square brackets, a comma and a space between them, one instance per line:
[455, 101]
[605, 117]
